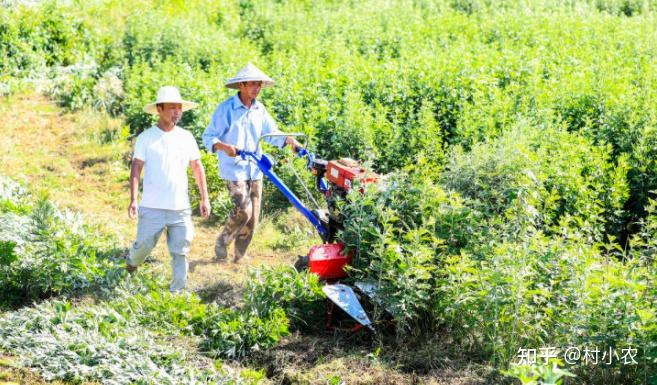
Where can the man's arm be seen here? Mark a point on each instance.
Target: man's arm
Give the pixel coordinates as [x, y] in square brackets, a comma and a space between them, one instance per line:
[229, 149]
[211, 136]
[199, 175]
[135, 174]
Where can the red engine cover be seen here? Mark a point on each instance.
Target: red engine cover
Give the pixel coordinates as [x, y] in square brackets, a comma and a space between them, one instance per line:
[327, 260]
[344, 171]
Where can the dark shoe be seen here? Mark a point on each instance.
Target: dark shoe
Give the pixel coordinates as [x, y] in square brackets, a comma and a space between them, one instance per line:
[220, 251]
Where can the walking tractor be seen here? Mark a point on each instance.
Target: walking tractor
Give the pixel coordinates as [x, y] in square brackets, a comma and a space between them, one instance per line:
[334, 178]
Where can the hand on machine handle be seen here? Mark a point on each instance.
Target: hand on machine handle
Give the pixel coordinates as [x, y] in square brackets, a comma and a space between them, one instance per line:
[226, 148]
[299, 149]
[301, 152]
[231, 150]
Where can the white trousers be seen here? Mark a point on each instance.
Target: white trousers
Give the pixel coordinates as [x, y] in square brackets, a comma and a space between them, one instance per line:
[180, 232]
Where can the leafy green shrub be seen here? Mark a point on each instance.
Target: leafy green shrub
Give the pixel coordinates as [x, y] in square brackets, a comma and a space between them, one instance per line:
[145, 41]
[236, 334]
[400, 235]
[643, 244]
[79, 86]
[14, 198]
[642, 176]
[465, 6]
[74, 88]
[59, 35]
[542, 179]
[298, 294]
[44, 34]
[20, 58]
[349, 134]
[52, 252]
[581, 112]
[622, 7]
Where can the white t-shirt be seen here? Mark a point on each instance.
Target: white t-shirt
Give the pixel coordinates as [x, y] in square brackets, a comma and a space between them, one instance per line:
[166, 156]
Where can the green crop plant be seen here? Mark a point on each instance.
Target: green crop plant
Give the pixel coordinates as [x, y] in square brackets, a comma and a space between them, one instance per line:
[517, 139]
[48, 251]
[299, 295]
[540, 374]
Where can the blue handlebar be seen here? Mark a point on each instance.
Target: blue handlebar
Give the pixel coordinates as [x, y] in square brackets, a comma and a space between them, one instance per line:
[265, 165]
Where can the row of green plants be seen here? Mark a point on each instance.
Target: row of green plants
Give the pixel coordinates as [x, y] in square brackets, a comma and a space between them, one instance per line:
[361, 85]
[495, 284]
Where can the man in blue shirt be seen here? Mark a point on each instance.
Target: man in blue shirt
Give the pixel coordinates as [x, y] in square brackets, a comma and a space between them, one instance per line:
[238, 123]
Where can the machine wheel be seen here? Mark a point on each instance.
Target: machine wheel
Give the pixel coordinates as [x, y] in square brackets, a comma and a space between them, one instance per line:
[301, 264]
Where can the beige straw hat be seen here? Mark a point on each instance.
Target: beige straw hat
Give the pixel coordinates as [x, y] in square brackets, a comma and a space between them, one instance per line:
[249, 73]
[168, 94]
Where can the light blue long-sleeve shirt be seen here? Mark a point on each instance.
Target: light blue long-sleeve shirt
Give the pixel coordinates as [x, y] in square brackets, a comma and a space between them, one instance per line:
[233, 123]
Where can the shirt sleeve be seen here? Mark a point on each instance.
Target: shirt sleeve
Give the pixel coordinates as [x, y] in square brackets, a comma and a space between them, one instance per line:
[213, 131]
[193, 150]
[269, 126]
[140, 149]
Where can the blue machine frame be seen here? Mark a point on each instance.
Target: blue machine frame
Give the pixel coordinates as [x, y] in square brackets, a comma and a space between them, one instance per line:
[265, 164]
[339, 294]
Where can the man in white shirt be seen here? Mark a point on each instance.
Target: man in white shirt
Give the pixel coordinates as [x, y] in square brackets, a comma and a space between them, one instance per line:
[164, 152]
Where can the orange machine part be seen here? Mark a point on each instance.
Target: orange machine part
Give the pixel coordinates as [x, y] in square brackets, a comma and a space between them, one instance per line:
[345, 171]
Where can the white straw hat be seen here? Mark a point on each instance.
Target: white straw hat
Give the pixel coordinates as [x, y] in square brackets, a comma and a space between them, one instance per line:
[168, 94]
[249, 73]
